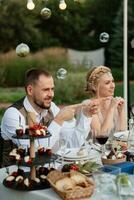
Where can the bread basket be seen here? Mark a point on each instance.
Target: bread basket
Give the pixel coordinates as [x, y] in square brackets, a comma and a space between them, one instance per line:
[77, 193]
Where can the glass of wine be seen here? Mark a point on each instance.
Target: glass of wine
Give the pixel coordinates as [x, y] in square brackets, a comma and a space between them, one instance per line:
[102, 139]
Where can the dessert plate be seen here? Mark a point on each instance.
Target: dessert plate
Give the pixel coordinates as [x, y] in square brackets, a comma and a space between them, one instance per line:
[122, 135]
[74, 154]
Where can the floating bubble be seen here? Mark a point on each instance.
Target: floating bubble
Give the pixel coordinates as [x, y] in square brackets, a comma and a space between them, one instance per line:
[46, 13]
[61, 73]
[132, 43]
[104, 37]
[22, 50]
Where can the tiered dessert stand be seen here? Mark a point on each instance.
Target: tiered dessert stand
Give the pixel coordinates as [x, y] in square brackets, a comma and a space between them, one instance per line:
[35, 177]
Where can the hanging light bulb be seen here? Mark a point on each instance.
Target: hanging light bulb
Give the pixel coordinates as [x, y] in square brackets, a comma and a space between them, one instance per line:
[30, 5]
[62, 5]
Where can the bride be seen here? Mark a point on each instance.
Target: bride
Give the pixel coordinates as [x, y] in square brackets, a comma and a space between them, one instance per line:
[111, 115]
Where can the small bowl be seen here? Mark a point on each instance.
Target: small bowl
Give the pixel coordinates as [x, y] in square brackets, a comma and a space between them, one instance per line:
[111, 161]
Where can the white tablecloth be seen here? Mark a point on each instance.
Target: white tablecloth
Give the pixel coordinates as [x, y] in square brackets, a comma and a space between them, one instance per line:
[5, 193]
[45, 194]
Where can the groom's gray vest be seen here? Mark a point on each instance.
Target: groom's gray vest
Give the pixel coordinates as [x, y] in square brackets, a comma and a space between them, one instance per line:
[45, 120]
[8, 145]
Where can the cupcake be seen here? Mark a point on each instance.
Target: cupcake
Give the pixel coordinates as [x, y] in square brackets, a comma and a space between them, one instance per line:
[19, 178]
[29, 184]
[28, 160]
[35, 183]
[48, 151]
[26, 183]
[21, 151]
[41, 150]
[10, 181]
[44, 181]
[18, 157]
[19, 182]
[15, 174]
[43, 171]
[13, 154]
[19, 132]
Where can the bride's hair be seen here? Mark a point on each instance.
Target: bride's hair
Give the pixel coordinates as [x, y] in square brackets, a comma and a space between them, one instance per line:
[93, 77]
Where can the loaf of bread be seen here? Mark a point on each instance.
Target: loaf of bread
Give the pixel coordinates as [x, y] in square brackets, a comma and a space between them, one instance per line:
[55, 175]
[79, 179]
[71, 186]
[65, 184]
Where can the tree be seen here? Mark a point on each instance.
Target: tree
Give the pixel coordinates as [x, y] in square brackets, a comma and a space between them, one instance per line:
[116, 46]
[77, 27]
[17, 25]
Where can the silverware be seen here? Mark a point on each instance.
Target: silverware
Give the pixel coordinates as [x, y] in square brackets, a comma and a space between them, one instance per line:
[67, 152]
[7, 170]
[20, 122]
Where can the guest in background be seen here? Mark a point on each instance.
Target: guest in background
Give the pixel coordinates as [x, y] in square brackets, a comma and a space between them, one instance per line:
[111, 115]
[39, 87]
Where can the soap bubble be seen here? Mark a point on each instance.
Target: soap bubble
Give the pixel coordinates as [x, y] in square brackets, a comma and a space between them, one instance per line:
[46, 13]
[104, 37]
[22, 50]
[132, 43]
[61, 73]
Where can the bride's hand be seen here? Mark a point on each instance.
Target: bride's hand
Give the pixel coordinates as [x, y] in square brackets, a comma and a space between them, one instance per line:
[120, 103]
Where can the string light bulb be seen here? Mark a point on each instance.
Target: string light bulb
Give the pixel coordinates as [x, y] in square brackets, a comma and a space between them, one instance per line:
[62, 5]
[30, 5]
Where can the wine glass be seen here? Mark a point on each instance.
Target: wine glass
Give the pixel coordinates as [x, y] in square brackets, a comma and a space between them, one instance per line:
[102, 139]
[62, 146]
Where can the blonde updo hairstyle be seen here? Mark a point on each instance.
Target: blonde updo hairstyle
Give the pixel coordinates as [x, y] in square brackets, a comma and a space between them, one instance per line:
[93, 77]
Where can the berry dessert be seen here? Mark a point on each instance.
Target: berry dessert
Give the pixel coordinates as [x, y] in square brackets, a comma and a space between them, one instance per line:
[87, 167]
[38, 130]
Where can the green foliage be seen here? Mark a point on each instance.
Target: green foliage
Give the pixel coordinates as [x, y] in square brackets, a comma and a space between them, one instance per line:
[10, 95]
[14, 72]
[17, 25]
[77, 27]
[117, 74]
[71, 89]
[13, 69]
[116, 45]
[1, 113]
